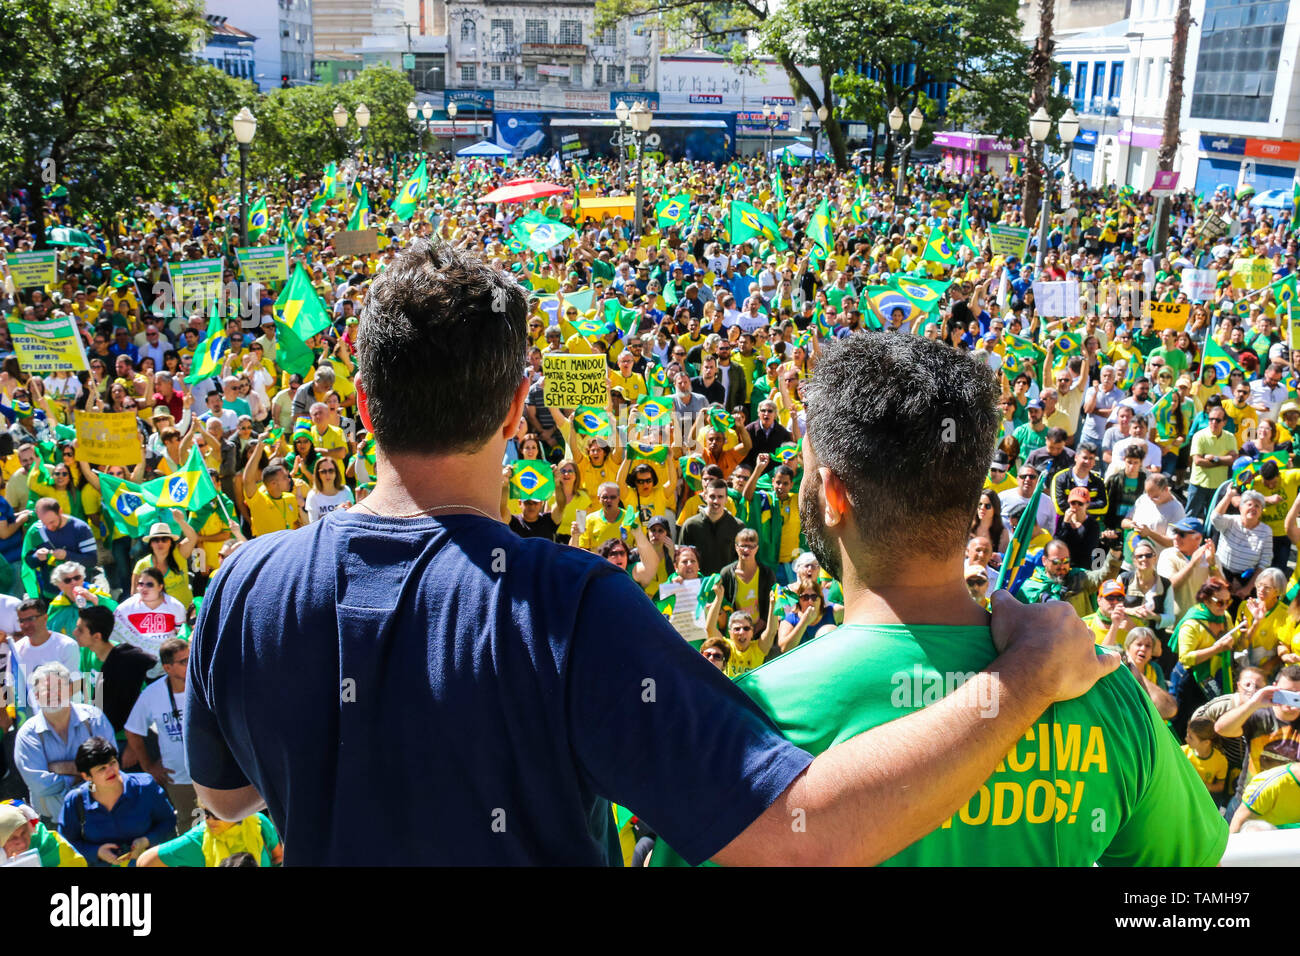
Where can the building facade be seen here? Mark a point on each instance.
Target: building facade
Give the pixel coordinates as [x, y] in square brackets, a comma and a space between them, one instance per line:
[283, 44]
[229, 49]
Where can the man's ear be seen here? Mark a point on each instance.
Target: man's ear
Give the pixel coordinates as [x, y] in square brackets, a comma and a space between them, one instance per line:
[516, 412]
[363, 406]
[836, 495]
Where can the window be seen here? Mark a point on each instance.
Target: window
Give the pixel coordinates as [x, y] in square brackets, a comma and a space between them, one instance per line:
[575, 76]
[607, 37]
[571, 31]
[636, 75]
[503, 32]
[468, 32]
[1116, 84]
[1064, 84]
[1098, 85]
[614, 74]
[495, 72]
[1241, 43]
[1081, 81]
[596, 74]
[535, 31]
[469, 73]
[530, 74]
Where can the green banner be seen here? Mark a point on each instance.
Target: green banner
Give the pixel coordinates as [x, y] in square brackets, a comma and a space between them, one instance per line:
[265, 264]
[54, 345]
[1009, 240]
[195, 283]
[33, 268]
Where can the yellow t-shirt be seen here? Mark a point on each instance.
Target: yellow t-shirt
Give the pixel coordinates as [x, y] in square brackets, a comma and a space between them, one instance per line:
[1274, 795]
[591, 477]
[747, 594]
[742, 662]
[581, 501]
[331, 439]
[1275, 515]
[599, 530]
[1212, 769]
[177, 583]
[695, 503]
[633, 386]
[1006, 484]
[267, 514]
[575, 344]
[1244, 417]
[654, 504]
[789, 528]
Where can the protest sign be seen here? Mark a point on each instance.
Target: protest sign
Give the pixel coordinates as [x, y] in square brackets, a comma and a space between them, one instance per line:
[1199, 283]
[1057, 299]
[356, 242]
[108, 438]
[1252, 273]
[265, 264]
[33, 268]
[1169, 315]
[50, 346]
[195, 283]
[1009, 240]
[573, 380]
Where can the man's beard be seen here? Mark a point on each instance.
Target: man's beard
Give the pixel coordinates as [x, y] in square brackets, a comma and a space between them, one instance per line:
[810, 516]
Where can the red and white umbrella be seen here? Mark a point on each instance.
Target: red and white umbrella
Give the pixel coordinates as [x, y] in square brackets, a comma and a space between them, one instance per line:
[521, 190]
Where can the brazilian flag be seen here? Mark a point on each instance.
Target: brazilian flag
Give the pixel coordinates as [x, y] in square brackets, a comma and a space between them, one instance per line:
[300, 229]
[190, 487]
[819, 229]
[1018, 549]
[625, 320]
[721, 421]
[320, 197]
[300, 308]
[788, 454]
[291, 353]
[360, 218]
[672, 211]
[667, 605]
[1162, 413]
[408, 200]
[531, 480]
[211, 351]
[657, 378]
[1067, 344]
[747, 222]
[259, 220]
[592, 422]
[939, 249]
[778, 193]
[125, 505]
[1218, 358]
[692, 470]
[589, 328]
[539, 232]
[1284, 291]
[655, 411]
[644, 451]
[967, 233]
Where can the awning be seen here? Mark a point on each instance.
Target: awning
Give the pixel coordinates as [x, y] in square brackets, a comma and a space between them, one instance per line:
[606, 207]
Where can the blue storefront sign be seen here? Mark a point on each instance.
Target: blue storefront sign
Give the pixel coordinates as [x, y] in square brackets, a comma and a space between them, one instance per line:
[1086, 137]
[1233, 145]
[754, 120]
[478, 100]
[629, 97]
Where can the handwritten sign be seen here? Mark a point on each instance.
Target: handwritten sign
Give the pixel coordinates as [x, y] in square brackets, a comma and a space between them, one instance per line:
[108, 438]
[573, 380]
[1254, 273]
[1169, 315]
[1199, 284]
[356, 242]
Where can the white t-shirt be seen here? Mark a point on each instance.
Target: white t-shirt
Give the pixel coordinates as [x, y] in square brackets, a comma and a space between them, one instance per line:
[1157, 517]
[57, 647]
[319, 504]
[147, 627]
[1012, 498]
[154, 708]
[1151, 459]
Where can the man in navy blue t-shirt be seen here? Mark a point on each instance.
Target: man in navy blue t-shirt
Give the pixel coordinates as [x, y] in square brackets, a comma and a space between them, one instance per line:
[408, 682]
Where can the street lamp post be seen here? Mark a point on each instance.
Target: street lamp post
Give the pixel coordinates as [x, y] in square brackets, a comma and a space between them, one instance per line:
[639, 117]
[621, 113]
[770, 120]
[427, 112]
[1040, 127]
[822, 115]
[245, 125]
[452, 109]
[362, 114]
[915, 120]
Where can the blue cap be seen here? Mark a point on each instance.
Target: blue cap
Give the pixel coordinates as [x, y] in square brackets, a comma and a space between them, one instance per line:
[1189, 525]
[1035, 404]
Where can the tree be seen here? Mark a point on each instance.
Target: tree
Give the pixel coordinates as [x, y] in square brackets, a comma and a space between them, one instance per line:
[1168, 151]
[1040, 72]
[85, 84]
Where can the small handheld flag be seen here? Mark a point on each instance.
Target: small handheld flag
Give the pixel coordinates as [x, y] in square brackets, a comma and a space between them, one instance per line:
[531, 480]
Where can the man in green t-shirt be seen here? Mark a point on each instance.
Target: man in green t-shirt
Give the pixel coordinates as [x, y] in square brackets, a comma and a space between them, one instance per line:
[886, 503]
[1174, 357]
[1213, 451]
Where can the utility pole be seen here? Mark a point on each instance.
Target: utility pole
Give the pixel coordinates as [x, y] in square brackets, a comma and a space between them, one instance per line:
[1173, 109]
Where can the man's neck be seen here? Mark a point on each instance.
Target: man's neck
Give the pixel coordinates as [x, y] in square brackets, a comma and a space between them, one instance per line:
[58, 720]
[923, 592]
[177, 684]
[34, 642]
[404, 481]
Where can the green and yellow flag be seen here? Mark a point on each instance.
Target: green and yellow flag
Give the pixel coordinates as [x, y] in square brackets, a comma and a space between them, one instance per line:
[655, 411]
[291, 352]
[939, 249]
[124, 504]
[639, 450]
[408, 200]
[819, 229]
[672, 211]
[360, 218]
[259, 220]
[1219, 359]
[211, 351]
[300, 308]
[967, 233]
[746, 222]
[190, 488]
[778, 193]
[531, 480]
[592, 422]
[539, 232]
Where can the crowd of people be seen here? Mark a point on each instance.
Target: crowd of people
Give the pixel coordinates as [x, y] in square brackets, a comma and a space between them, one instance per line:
[1143, 475]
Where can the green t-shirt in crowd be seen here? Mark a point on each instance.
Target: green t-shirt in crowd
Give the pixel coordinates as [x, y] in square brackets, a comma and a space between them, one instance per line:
[1204, 443]
[1175, 358]
[1097, 779]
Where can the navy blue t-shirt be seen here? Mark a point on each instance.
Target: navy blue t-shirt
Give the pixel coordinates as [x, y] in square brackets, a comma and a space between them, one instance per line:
[442, 691]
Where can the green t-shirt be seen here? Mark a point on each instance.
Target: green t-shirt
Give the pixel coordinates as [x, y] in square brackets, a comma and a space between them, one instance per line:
[1097, 779]
[187, 849]
[1146, 344]
[1204, 443]
[1030, 439]
[1175, 358]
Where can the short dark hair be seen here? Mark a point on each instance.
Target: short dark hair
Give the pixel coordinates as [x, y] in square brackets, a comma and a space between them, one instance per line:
[169, 648]
[914, 453]
[33, 604]
[99, 620]
[442, 344]
[94, 752]
[1290, 672]
[1090, 448]
[1057, 434]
